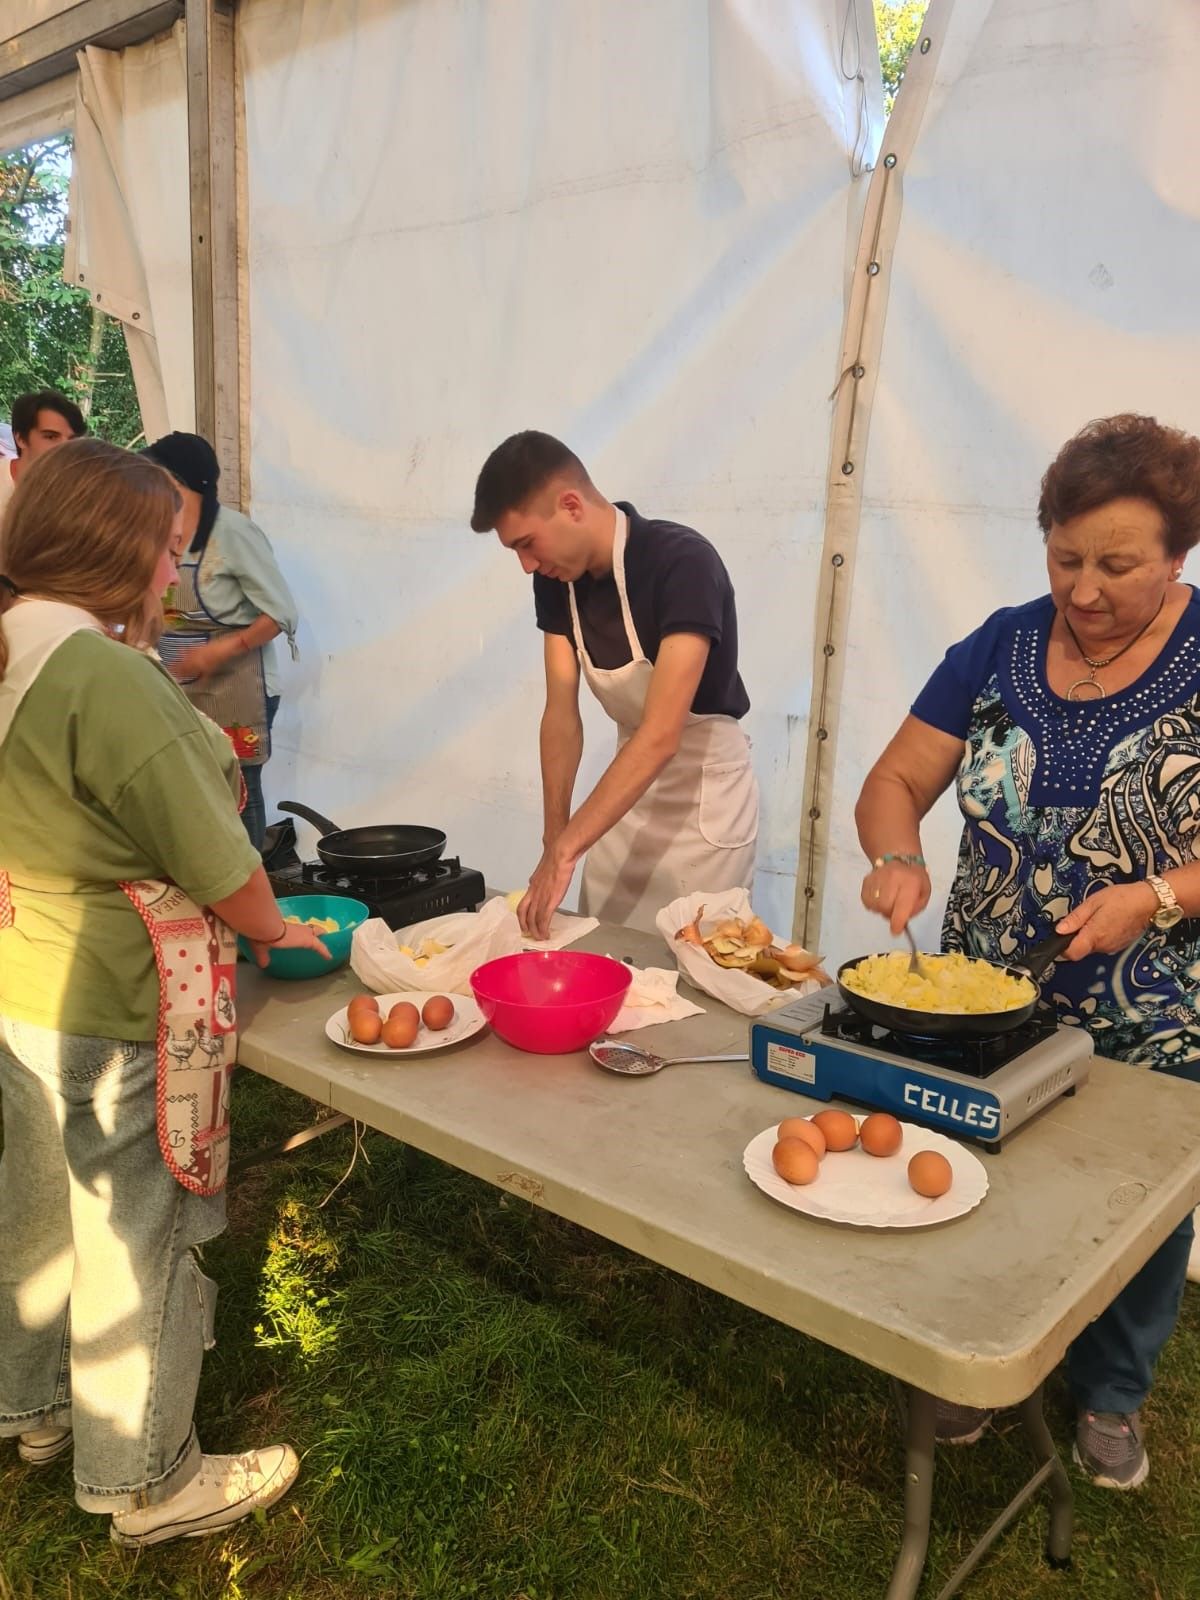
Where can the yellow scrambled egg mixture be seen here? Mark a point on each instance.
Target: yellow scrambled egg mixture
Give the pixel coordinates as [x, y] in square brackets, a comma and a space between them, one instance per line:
[952, 983]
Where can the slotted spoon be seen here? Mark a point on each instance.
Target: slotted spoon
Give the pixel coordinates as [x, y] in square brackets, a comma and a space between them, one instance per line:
[633, 1062]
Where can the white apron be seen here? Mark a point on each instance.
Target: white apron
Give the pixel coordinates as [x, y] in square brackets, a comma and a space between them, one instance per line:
[696, 826]
[195, 953]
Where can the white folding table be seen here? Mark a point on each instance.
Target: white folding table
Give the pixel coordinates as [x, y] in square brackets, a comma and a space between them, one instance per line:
[979, 1310]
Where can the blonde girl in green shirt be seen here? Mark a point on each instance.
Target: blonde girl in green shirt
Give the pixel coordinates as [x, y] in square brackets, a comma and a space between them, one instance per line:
[109, 778]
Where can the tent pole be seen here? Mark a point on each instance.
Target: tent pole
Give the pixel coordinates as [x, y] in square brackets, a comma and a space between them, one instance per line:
[862, 341]
[212, 174]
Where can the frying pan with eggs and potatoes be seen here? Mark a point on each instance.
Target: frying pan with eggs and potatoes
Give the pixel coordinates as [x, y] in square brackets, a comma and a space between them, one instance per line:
[960, 1024]
[387, 851]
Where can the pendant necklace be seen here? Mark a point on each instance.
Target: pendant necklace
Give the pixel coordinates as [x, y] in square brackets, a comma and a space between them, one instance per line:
[1088, 688]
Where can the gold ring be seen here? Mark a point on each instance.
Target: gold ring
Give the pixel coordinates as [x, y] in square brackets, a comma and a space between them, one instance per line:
[875, 895]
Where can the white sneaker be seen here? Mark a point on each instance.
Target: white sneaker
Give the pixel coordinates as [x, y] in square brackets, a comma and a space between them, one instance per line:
[226, 1489]
[1193, 1270]
[40, 1446]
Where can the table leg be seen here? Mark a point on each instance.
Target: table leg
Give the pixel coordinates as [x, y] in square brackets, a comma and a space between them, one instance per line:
[1062, 1500]
[918, 1496]
[1050, 1470]
[275, 1151]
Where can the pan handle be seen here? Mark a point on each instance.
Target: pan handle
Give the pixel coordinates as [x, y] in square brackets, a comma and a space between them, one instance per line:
[1045, 953]
[322, 824]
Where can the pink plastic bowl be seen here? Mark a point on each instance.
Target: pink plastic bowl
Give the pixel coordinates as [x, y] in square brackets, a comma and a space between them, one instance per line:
[550, 1001]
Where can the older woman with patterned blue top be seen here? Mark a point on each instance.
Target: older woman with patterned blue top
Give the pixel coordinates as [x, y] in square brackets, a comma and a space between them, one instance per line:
[1070, 727]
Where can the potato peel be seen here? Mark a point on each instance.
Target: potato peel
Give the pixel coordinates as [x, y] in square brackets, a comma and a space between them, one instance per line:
[748, 945]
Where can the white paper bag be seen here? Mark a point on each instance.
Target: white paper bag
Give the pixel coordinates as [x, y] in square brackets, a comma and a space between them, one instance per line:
[740, 992]
[472, 937]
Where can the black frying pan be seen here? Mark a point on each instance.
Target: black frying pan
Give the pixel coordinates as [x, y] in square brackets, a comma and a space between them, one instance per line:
[965, 1024]
[381, 852]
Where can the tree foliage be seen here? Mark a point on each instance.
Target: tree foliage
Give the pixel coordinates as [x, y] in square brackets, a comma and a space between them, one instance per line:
[50, 335]
[898, 27]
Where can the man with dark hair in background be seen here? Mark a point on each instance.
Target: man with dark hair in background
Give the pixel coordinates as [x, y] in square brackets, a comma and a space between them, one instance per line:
[40, 421]
[644, 610]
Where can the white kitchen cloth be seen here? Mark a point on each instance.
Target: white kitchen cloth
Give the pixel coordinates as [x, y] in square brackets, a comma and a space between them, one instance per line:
[564, 930]
[652, 998]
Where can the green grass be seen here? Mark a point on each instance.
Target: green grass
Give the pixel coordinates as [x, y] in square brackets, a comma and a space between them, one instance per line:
[493, 1403]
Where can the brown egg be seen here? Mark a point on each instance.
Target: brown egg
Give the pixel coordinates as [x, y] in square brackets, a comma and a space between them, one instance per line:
[930, 1174]
[839, 1128]
[802, 1128]
[363, 1002]
[402, 1026]
[880, 1134]
[437, 1012]
[365, 1026]
[795, 1161]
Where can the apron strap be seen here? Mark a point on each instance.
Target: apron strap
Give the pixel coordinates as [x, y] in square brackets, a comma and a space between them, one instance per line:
[620, 538]
[636, 652]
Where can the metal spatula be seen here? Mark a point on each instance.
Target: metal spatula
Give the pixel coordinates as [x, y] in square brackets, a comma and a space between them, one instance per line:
[615, 1056]
[914, 964]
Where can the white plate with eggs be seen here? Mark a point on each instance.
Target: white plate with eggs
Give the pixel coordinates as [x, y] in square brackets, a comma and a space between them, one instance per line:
[467, 1020]
[872, 1191]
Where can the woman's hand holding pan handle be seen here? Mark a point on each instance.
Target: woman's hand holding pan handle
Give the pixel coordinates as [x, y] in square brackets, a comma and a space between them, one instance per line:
[1109, 920]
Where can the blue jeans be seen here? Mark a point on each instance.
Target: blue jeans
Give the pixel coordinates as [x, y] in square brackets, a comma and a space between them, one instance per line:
[254, 815]
[104, 1312]
[1111, 1365]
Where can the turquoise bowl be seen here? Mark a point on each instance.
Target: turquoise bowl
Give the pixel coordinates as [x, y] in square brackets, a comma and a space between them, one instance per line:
[348, 914]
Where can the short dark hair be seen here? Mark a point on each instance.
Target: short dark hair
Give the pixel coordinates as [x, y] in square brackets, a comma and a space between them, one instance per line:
[1127, 457]
[517, 469]
[25, 410]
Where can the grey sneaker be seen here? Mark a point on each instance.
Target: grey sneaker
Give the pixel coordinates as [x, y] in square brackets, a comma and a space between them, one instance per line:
[960, 1424]
[1109, 1448]
[41, 1446]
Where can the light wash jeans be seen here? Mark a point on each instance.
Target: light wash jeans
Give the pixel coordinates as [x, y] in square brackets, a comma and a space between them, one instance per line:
[104, 1312]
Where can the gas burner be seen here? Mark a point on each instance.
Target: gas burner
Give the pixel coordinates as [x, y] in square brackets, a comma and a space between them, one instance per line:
[979, 1089]
[429, 890]
[977, 1057]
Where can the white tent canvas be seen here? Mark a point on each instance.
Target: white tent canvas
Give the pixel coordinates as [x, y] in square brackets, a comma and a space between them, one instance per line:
[625, 225]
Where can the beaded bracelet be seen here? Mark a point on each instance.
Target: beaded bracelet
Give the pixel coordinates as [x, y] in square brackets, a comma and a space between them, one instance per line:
[904, 860]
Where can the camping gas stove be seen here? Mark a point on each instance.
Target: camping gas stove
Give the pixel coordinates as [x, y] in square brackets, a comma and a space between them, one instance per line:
[973, 1088]
[429, 890]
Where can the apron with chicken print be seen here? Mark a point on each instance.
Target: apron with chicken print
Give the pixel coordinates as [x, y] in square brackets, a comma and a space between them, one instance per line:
[195, 955]
[696, 826]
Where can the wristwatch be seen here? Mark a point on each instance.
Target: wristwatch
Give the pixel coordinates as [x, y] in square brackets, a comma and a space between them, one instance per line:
[1169, 910]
